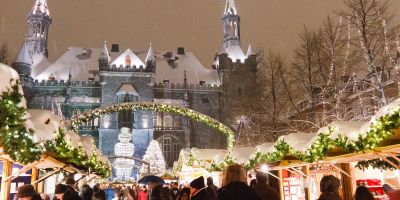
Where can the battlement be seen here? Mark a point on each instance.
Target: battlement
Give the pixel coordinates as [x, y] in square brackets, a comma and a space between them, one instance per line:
[126, 68]
[60, 83]
[181, 86]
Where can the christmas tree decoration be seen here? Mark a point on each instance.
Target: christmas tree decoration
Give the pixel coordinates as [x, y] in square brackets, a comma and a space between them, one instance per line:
[155, 158]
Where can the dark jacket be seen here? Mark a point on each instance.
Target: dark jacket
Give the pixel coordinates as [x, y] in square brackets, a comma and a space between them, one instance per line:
[266, 192]
[212, 192]
[237, 191]
[160, 193]
[329, 196]
[174, 193]
[200, 195]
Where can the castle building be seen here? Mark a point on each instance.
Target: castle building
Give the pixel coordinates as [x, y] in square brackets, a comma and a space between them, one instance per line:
[86, 78]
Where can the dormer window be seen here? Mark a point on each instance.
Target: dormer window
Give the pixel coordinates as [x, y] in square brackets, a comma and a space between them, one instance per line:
[128, 60]
[202, 82]
[166, 81]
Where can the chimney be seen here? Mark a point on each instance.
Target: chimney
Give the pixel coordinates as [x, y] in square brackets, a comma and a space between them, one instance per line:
[115, 48]
[181, 51]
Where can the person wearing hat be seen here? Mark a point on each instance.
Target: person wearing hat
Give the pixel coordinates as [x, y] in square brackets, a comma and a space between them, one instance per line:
[27, 192]
[197, 189]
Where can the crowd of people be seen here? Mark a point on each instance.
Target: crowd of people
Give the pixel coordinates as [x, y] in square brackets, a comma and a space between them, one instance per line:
[234, 187]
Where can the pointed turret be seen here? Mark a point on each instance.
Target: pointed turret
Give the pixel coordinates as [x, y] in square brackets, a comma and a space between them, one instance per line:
[24, 56]
[23, 64]
[41, 7]
[231, 24]
[105, 53]
[150, 60]
[250, 51]
[150, 55]
[230, 8]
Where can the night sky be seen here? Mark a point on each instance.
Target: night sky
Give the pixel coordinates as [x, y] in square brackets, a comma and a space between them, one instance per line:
[194, 24]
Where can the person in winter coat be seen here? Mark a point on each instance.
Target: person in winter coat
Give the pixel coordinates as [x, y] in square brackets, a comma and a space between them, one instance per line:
[211, 189]
[197, 189]
[184, 194]
[329, 187]
[174, 191]
[86, 192]
[158, 192]
[27, 192]
[143, 193]
[235, 185]
[263, 189]
[362, 193]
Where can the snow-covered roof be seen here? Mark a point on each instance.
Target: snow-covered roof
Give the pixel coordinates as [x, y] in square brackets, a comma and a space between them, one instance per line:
[82, 60]
[40, 7]
[127, 88]
[209, 154]
[230, 8]
[88, 144]
[235, 52]
[175, 72]
[265, 147]
[39, 64]
[299, 141]
[388, 109]
[44, 124]
[24, 56]
[128, 57]
[351, 129]
[6, 74]
[241, 155]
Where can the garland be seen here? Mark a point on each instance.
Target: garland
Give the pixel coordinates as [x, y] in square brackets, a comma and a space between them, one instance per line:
[134, 106]
[76, 156]
[15, 139]
[379, 131]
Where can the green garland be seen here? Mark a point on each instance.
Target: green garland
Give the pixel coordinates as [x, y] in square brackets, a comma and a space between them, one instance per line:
[134, 106]
[15, 139]
[76, 156]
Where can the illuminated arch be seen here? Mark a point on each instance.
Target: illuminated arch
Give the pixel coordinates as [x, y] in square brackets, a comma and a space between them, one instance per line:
[177, 110]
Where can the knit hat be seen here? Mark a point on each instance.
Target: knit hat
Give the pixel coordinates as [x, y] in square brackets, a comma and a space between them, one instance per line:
[60, 189]
[26, 191]
[198, 183]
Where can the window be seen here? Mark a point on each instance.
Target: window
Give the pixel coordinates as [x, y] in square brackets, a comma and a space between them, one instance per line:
[239, 90]
[128, 61]
[171, 148]
[167, 121]
[125, 119]
[205, 100]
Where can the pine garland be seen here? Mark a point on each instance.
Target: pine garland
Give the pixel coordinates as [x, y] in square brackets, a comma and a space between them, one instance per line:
[16, 140]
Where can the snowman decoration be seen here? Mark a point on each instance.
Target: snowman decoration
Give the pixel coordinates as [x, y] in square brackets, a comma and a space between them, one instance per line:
[123, 149]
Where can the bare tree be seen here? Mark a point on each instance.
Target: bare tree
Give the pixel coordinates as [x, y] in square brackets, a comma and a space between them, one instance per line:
[4, 53]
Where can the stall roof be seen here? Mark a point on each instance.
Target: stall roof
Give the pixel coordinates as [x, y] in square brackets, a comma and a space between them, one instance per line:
[209, 154]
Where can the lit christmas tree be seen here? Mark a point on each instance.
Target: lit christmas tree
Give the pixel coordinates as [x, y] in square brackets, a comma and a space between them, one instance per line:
[155, 158]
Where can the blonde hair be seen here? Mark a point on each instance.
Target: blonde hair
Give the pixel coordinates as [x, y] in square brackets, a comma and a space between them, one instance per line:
[234, 173]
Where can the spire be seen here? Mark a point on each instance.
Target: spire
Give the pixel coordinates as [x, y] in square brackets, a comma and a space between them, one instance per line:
[24, 56]
[250, 51]
[41, 7]
[150, 54]
[105, 53]
[230, 8]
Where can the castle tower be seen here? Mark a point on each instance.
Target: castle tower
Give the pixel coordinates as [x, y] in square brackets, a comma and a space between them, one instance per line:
[237, 73]
[39, 21]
